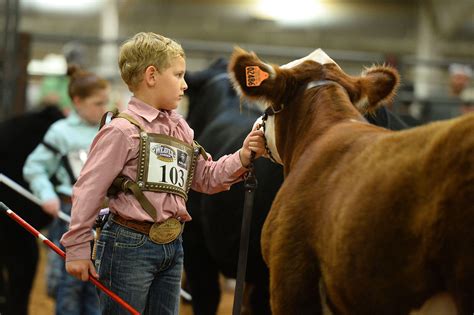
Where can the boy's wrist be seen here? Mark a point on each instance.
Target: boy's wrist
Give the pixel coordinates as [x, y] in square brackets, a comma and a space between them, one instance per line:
[243, 158]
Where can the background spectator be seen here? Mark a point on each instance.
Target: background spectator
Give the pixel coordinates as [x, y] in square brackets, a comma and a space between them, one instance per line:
[459, 78]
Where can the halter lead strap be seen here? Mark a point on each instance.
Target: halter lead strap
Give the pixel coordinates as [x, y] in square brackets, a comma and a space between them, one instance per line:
[250, 185]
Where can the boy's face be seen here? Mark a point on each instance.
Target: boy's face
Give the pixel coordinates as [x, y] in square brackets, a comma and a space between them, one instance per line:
[170, 84]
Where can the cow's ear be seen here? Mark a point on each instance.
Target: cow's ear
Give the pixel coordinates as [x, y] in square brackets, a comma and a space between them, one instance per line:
[251, 77]
[378, 87]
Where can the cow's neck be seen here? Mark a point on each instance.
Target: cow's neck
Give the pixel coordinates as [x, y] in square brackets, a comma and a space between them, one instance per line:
[319, 109]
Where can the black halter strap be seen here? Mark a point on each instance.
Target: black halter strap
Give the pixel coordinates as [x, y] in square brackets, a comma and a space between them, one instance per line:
[270, 111]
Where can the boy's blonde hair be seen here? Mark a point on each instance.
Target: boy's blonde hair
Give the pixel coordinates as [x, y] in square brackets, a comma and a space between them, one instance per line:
[143, 50]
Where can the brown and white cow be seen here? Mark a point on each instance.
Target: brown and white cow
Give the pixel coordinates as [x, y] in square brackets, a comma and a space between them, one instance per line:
[385, 219]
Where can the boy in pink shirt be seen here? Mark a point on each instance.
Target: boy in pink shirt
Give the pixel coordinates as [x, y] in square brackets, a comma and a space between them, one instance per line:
[149, 157]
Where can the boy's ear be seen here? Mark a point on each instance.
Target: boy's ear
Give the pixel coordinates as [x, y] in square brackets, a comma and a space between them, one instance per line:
[150, 75]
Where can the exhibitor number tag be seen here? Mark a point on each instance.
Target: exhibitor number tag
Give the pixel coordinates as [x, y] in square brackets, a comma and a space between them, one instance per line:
[168, 165]
[165, 164]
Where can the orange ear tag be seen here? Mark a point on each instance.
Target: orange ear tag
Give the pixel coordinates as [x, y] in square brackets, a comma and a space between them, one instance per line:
[255, 76]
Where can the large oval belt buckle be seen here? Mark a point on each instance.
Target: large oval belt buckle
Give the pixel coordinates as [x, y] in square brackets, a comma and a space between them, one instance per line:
[165, 232]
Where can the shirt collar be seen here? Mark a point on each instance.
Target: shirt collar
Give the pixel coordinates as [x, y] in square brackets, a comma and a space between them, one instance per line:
[142, 109]
[150, 113]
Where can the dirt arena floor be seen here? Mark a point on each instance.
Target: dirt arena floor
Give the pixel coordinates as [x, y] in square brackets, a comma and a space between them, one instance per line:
[41, 304]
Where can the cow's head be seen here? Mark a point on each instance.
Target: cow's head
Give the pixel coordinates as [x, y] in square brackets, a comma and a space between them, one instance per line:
[297, 84]
[275, 85]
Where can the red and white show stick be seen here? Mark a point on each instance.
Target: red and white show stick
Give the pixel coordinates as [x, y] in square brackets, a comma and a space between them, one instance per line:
[58, 251]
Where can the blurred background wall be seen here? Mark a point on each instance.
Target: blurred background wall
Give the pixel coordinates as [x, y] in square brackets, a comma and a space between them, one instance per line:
[422, 38]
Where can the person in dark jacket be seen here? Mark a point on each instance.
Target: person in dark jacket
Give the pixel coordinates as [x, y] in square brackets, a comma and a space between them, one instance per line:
[19, 250]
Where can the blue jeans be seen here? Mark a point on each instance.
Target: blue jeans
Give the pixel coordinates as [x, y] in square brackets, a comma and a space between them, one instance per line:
[54, 268]
[76, 297]
[73, 296]
[144, 274]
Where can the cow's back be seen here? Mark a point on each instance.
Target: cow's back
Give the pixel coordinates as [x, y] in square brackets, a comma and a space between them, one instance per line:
[381, 211]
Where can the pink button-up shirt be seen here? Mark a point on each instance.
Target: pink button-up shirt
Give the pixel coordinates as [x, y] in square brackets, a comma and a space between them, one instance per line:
[113, 152]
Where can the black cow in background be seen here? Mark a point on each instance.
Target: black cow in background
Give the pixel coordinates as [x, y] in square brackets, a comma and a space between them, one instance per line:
[19, 136]
[211, 239]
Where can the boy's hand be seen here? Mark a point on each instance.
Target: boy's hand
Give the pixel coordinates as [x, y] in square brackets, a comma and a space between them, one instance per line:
[51, 207]
[80, 269]
[255, 142]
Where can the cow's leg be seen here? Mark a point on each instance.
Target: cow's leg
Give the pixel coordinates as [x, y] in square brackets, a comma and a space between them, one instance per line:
[259, 299]
[201, 270]
[465, 303]
[464, 296]
[294, 278]
[20, 262]
[460, 281]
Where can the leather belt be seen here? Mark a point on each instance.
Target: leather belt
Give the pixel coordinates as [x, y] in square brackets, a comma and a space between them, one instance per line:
[160, 233]
[138, 226]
